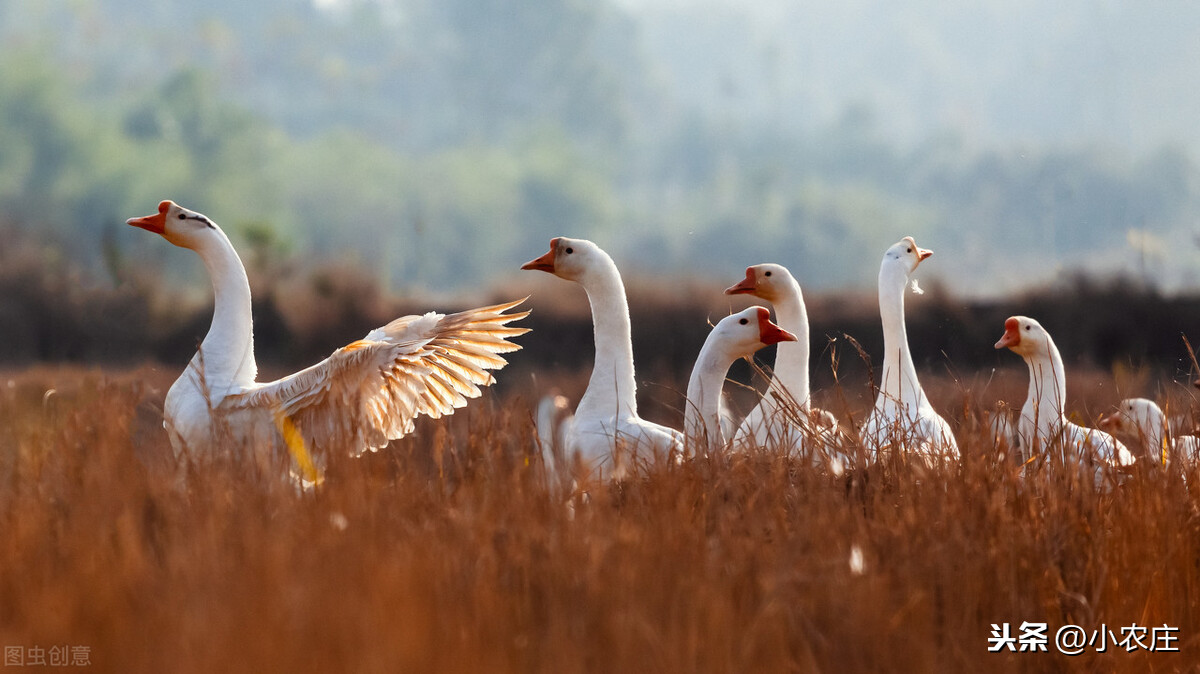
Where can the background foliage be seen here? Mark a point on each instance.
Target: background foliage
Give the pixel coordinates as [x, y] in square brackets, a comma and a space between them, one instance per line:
[440, 144]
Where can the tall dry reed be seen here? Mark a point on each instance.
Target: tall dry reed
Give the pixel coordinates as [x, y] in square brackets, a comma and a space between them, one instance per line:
[446, 552]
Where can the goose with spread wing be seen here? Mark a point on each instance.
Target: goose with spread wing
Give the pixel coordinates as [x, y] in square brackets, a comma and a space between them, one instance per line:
[365, 394]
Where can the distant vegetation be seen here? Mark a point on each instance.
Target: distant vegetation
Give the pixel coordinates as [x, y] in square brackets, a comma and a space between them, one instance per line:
[439, 144]
[52, 311]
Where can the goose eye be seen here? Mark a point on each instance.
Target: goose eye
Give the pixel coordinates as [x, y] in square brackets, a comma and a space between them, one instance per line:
[767, 274]
[570, 250]
[1028, 327]
[910, 250]
[182, 216]
[744, 321]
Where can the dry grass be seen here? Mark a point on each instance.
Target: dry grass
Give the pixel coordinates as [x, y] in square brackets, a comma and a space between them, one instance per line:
[446, 553]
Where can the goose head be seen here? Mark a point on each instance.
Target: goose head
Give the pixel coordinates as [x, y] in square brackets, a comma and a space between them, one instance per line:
[1135, 415]
[764, 281]
[747, 331]
[180, 226]
[1025, 337]
[906, 254]
[570, 259]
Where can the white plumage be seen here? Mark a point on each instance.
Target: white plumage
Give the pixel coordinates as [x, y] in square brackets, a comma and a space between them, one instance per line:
[1043, 426]
[362, 396]
[735, 336]
[903, 417]
[606, 431]
[1143, 418]
[785, 417]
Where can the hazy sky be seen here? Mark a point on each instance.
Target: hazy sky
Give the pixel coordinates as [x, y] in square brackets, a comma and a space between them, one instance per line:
[994, 71]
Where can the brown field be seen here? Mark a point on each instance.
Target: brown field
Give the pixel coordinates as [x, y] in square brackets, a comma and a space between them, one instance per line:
[447, 552]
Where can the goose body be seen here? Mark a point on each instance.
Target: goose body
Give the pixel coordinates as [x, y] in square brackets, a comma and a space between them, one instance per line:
[902, 416]
[605, 427]
[785, 417]
[1043, 425]
[365, 394]
[1146, 420]
[735, 336]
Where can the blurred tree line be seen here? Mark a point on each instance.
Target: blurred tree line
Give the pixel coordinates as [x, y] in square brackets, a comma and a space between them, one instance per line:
[439, 143]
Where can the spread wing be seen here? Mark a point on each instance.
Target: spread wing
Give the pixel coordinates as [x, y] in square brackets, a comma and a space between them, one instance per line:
[368, 392]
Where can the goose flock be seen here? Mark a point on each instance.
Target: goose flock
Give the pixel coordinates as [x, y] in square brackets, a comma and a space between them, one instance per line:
[369, 392]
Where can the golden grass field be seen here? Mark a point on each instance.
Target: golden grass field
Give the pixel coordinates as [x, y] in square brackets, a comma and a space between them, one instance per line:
[448, 553]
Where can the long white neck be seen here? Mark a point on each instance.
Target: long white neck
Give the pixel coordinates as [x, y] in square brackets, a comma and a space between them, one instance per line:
[226, 356]
[1047, 392]
[702, 420]
[612, 388]
[791, 358]
[899, 383]
[1156, 433]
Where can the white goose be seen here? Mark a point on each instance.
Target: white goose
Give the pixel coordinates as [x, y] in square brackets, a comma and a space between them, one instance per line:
[1145, 419]
[903, 416]
[735, 336]
[362, 396]
[1043, 425]
[606, 423]
[551, 418]
[771, 422]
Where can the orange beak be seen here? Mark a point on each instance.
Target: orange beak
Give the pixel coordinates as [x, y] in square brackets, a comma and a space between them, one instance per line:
[768, 332]
[546, 262]
[156, 223]
[922, 253]
[1012, 334]
[1112, 421]
[746, 286]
